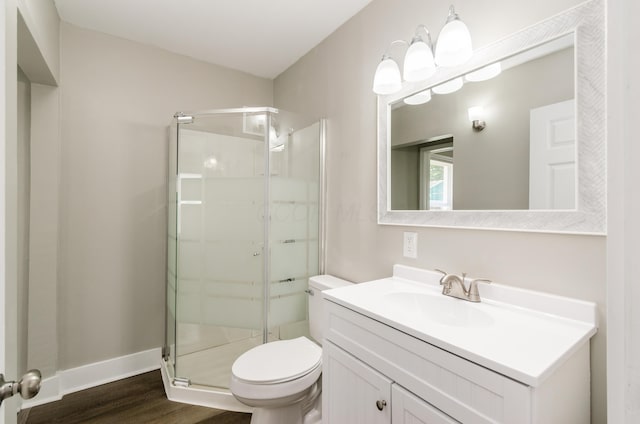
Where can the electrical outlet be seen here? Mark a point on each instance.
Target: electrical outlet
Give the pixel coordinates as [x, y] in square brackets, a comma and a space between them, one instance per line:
[410, 246]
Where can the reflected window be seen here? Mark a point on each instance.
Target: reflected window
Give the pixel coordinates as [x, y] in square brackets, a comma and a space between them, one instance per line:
[436, 182]
[440, 185]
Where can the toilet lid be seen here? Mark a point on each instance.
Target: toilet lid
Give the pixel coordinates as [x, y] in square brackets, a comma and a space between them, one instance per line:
[279, 361]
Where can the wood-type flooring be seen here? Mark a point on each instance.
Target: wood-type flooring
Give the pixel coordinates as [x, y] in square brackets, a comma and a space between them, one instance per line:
[139, 399]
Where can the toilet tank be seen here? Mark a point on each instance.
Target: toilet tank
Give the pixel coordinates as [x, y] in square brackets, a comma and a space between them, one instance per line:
[317, 285]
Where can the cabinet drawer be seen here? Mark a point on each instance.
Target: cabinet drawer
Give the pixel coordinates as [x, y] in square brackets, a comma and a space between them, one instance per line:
[462, 389]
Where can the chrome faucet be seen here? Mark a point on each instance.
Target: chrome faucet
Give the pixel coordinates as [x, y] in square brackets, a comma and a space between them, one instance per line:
[454, 286]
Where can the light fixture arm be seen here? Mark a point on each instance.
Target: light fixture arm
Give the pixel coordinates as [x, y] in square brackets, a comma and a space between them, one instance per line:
[417, 37]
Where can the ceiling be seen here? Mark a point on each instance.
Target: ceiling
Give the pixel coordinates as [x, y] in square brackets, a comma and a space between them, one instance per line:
[260, 37]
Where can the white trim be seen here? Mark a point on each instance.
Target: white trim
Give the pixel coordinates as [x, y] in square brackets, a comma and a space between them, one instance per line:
[96, 374]
[623, 245]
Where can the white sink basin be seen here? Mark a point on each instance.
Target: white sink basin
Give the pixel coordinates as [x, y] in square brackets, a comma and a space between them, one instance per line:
[519, 333]
[441, 309]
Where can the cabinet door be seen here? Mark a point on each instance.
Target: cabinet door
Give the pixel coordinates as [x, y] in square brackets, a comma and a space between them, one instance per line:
[410, 409]
[352, 392]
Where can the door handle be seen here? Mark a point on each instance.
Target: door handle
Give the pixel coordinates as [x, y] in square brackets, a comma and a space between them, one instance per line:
[28, 386]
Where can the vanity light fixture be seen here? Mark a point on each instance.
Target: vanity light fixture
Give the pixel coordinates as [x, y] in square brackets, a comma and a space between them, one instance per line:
[483, 74]
[418, 61]
[476, 116]
[454, 42]
[449, 86]
[453, 48]
[419, 98]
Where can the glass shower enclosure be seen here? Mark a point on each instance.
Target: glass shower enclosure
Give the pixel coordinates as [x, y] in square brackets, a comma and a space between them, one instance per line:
[244, 235]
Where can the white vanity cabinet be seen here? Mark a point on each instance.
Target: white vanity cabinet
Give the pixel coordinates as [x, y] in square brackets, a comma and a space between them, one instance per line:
[379, 369]
[357, 394]
[410, 409]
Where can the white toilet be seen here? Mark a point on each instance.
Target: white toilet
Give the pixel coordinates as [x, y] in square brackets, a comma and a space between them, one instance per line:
[282, 379]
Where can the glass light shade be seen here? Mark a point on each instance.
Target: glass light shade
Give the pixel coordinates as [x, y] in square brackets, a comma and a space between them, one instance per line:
[418, 98]
[449, 86]
[418, 62]
[483, 74]
[454, 44]
[387, 79]
[476, 113]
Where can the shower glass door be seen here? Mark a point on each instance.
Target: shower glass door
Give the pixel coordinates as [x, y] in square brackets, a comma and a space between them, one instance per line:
[216, 243]
[236, 279]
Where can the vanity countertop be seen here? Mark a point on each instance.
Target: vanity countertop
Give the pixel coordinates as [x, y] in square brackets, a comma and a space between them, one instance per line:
[522, 334]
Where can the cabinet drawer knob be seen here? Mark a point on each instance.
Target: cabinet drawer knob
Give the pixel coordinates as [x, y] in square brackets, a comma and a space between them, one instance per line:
[381, 404]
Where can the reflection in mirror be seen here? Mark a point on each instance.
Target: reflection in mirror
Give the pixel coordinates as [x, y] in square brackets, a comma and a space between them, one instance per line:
[524, 159]
[423, 177]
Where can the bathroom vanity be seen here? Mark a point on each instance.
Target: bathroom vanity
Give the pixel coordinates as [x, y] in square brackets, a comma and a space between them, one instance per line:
[398, 351]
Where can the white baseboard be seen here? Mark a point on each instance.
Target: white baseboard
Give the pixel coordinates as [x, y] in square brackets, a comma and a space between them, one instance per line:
[92, 375]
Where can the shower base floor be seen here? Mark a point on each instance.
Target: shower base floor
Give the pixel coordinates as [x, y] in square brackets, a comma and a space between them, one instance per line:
[210, 397]
[212, 367]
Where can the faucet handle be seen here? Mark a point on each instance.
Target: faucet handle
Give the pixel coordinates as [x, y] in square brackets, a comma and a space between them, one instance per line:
[474, 295]
[444, 274]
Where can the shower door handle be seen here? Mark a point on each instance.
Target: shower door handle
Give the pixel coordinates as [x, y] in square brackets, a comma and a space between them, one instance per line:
[28, 386]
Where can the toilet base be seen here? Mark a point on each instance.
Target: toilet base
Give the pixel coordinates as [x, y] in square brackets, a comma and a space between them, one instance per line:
[291, 414]
[286, 415]
[305, 410]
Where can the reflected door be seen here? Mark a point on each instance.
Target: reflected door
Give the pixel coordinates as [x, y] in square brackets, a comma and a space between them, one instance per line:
[552, 169]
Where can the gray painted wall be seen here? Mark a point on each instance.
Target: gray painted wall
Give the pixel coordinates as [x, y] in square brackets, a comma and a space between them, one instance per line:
[44, 235]
[39, 41]
[334, 80]
[117, 100]
[39, 168]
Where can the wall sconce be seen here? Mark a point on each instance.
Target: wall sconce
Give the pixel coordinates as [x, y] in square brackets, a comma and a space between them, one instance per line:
[476, 116]
[453, 48]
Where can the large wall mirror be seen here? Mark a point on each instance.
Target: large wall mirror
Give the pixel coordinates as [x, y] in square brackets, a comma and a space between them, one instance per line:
[539, 162]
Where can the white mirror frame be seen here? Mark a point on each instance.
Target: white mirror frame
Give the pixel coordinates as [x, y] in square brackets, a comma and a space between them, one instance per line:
[586, 22]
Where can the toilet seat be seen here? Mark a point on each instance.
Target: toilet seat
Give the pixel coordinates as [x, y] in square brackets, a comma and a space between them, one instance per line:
[277, 369]
[278, 362]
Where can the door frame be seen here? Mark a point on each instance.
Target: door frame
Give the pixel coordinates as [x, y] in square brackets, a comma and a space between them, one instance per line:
[8, 202]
